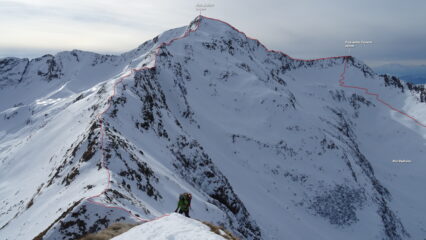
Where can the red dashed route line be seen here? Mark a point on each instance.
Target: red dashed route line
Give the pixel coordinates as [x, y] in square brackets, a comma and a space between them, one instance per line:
[342, 84]
[102, 130]
[133, 71]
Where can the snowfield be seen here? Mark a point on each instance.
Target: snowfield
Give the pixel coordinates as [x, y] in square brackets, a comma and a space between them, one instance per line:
[270, 147]
[175, 226]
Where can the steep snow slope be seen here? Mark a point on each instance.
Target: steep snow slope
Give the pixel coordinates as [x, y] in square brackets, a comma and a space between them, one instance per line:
[271, 147]
[49, 121]
[174, 226]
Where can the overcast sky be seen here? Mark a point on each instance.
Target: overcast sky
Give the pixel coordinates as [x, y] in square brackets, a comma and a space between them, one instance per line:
[301, 28]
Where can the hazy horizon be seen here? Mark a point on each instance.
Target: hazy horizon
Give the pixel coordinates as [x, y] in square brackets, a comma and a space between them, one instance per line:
[308, 29]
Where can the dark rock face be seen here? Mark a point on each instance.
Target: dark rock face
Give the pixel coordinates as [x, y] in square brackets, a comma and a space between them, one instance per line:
[418, 90]
[82, 219]
[53, 70]
[12, 71]
[197, 168]
[393, 227]
[191, 162]
[339, 204]
[131, 170]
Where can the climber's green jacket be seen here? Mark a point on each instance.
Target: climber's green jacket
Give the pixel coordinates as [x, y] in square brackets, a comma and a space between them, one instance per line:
[184, 202]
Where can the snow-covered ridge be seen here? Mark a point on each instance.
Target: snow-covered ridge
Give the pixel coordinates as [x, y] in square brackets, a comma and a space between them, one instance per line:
[174, 226]
[259, 138]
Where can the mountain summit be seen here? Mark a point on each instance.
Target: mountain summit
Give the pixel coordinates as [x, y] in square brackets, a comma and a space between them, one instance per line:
[270, 147]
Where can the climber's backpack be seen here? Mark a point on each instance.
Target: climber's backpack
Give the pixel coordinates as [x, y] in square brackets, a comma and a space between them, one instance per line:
[185, 196]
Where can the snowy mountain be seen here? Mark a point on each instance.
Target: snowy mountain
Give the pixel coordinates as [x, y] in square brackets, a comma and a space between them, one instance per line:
[271, 147]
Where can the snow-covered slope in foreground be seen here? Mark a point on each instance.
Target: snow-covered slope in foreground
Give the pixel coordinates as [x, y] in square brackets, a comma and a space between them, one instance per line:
[271, 147]
[175, 226]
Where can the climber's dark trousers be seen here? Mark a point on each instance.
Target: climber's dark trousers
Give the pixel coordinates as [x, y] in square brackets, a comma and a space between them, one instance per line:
[186, 212]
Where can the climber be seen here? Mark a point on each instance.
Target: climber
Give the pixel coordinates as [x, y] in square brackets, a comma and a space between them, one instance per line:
[184, 204]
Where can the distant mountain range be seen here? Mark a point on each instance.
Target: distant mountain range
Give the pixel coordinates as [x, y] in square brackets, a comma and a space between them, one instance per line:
[414, 74]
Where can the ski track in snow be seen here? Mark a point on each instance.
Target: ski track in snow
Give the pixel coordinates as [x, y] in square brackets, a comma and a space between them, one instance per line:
[133, 71]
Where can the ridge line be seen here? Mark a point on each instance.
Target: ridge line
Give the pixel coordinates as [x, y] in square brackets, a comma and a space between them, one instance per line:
[376, 95]
[187, 32]
[99, 118]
